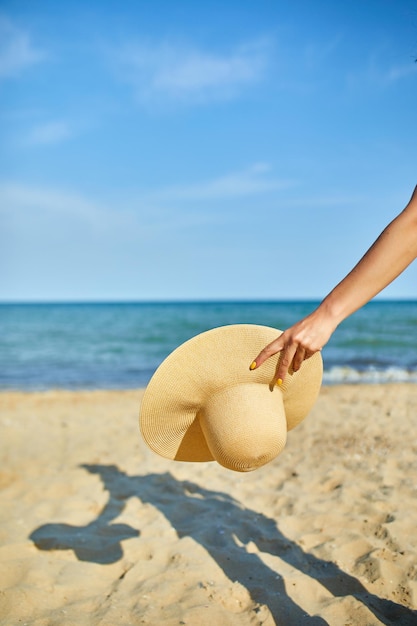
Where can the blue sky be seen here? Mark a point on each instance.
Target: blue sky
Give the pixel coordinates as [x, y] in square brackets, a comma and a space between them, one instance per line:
[179, 149]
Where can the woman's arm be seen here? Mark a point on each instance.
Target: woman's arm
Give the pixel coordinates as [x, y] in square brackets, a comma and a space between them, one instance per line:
[392, 252]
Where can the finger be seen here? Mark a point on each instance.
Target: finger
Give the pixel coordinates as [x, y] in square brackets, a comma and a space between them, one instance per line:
[284, 363]
[272, 348]
[298, 358]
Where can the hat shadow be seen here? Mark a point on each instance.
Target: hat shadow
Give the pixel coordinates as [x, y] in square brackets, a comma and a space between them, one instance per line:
[225, 532]
[96, 542]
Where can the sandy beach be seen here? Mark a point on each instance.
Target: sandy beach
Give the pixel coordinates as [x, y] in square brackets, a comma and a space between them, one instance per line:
[95, 529]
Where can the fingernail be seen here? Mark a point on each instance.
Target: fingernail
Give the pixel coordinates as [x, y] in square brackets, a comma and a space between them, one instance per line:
[279, 382]
[252, 365]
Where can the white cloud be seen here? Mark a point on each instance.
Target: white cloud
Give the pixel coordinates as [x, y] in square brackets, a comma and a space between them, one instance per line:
[49, 133]
[250, 181]
[42, 213]
[383, 74]
[137, 216]
[16, 49]
[191, 75]
[21, 199]
[380, 73]
[398, 72]
[29, 206]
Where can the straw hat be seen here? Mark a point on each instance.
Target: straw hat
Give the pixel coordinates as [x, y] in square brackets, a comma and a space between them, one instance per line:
[204, 404]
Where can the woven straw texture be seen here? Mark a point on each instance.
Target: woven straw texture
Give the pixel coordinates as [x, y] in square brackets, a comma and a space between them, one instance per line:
[204, 404]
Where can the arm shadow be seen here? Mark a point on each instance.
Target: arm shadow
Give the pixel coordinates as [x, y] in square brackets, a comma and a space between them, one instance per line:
[224, 527]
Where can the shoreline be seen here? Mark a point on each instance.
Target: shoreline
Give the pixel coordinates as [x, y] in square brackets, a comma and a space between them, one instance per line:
[96, 529]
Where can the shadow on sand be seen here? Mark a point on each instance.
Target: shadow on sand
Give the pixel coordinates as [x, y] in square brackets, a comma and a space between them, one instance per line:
[182, 502]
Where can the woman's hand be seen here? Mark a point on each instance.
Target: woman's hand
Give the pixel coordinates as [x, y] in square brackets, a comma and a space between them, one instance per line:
[297, 343]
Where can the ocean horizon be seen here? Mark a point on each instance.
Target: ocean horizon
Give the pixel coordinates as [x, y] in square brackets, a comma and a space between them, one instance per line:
[119, 345]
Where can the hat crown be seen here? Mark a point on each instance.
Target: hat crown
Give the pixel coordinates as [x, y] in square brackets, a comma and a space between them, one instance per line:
[244, 425]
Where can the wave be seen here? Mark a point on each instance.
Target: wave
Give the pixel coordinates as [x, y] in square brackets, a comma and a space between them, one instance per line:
[346, 374]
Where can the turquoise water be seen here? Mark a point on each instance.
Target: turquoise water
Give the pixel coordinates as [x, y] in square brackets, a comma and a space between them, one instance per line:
[119, 345]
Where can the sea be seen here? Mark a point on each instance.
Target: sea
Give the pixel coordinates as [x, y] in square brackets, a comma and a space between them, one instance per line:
[119, 345]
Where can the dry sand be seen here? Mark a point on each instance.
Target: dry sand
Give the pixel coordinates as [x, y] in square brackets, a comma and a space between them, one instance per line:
[96, 529]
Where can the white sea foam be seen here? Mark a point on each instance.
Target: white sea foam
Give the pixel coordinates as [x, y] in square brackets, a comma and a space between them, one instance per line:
[340, 374]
